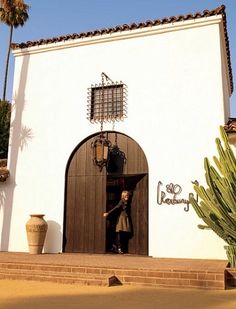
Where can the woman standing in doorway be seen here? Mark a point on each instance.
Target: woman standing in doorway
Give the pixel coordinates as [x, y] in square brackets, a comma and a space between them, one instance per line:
[123, 224]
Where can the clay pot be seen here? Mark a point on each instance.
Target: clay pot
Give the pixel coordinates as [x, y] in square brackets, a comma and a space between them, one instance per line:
[36, 228]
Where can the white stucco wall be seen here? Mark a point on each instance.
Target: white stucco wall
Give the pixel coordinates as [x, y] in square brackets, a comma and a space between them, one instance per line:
[178, 96]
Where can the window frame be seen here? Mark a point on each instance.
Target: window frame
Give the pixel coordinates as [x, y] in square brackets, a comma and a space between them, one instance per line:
[107, 102]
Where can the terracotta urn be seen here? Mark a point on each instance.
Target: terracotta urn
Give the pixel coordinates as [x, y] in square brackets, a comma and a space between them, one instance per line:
[36, 229]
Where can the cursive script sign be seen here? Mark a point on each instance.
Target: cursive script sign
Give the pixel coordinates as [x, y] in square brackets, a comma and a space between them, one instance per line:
[172, 195]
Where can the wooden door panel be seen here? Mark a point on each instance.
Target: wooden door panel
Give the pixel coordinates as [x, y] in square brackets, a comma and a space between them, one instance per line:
[69, 215]
[79, 214]
[138, 244]
[85, 231]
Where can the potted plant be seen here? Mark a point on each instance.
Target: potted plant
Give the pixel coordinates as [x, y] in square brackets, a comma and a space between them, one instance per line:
[217, 206]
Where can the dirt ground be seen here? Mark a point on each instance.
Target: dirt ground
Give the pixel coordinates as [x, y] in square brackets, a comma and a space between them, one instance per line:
[44, 295]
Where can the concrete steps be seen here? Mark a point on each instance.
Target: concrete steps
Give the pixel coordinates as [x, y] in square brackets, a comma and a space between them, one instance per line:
[60, 274]
[230, 274]
[108, 276]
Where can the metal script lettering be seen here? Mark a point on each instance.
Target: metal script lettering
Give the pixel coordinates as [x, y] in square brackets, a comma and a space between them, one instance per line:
[174, 191]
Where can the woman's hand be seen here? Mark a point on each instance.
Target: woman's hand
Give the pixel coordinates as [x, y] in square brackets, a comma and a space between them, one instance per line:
[105, 214]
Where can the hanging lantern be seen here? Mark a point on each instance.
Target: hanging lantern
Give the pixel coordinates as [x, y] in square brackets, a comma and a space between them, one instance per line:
[107, 102]
[101, 147]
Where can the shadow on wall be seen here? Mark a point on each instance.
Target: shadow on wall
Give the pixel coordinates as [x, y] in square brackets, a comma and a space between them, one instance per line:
[18, 136]
[53, 239]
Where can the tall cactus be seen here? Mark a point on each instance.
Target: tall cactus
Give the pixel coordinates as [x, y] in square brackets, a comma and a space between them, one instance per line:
[217, 207]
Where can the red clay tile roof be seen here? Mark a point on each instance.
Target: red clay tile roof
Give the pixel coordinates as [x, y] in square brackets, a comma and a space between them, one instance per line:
[206, 13]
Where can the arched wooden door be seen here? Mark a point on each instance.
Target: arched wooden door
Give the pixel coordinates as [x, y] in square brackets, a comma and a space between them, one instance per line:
[87, 197]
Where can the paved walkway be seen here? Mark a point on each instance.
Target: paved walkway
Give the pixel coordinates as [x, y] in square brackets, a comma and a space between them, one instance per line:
[44, 295]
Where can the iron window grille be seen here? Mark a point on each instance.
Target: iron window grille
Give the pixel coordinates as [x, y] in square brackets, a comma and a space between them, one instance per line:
[107, 102]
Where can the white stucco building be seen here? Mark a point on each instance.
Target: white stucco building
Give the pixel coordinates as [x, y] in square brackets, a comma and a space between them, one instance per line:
[179, 80]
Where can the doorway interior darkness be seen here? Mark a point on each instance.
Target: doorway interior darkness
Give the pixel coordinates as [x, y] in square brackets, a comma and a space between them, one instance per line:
[90, 192]
[115, 186]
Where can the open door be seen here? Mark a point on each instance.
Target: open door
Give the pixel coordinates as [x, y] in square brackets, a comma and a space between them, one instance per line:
[137, 187]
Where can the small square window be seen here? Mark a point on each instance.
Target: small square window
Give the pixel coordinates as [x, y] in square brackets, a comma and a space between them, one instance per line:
[107, 102]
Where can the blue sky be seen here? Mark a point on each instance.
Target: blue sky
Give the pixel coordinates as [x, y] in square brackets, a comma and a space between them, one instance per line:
[50, 18]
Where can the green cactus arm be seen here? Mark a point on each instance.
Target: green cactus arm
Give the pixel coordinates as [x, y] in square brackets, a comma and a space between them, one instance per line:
[230, 231]
[196, 207]
[222, 213]
[213, 179]
[218, 230]
[228, 147]
[226, 155]
[225, 163]
[222, 202]
[209, 203]
[226, 196]
[225, 188]
[203, 227]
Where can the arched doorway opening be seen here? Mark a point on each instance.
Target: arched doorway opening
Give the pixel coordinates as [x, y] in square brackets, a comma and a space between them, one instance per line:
[90, 192]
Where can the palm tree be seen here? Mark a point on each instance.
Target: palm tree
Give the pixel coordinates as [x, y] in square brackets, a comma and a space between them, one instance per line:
[5, 114]
[13, 13]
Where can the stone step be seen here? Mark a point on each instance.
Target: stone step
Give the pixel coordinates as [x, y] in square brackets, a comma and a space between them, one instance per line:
[55, 278]
[63, 274]
[231, 277]
[107, 276]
